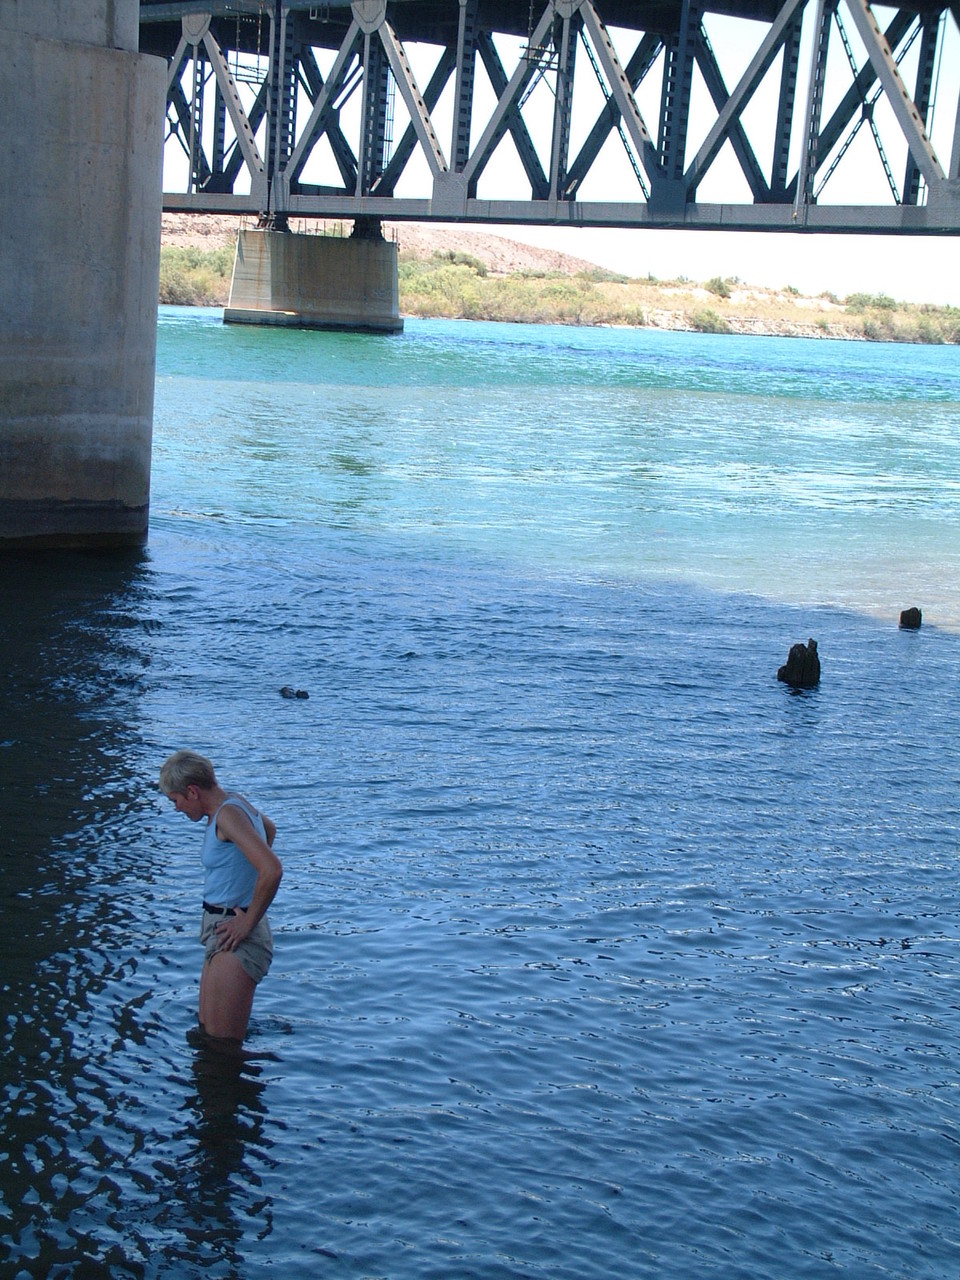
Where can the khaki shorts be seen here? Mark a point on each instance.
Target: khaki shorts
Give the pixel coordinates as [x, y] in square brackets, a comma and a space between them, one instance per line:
[254, 952]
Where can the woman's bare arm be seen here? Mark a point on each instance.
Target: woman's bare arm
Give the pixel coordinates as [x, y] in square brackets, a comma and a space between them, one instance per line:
[234, 824]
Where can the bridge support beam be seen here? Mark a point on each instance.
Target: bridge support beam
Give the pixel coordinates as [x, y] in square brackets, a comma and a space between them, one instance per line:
[316, 282]
[80, 210]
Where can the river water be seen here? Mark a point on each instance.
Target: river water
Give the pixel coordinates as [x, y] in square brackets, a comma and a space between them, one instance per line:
[599, 951]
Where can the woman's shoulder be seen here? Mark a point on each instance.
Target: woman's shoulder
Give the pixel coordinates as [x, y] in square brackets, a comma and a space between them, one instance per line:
[237, 801]
[234, 797]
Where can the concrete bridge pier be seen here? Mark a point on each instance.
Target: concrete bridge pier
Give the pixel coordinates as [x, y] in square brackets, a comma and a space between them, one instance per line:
[316, 281]
[80, 206]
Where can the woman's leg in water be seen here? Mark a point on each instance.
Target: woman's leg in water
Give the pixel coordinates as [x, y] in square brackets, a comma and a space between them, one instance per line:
[226, 997]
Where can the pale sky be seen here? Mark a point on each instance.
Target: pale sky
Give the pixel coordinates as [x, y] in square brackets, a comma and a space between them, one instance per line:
[908, 268]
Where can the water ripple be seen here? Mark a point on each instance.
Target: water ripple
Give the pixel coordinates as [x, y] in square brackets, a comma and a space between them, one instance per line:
[599, 951]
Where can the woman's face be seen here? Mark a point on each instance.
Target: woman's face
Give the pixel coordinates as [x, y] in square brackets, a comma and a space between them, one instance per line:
[188, 802]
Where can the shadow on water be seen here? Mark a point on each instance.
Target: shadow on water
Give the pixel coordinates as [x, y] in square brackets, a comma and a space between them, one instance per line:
[120, 1154]
[222, 1119]
[71, 664]
[71, 667]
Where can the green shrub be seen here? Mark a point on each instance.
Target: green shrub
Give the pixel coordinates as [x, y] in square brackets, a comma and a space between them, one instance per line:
[600, 275]
[192, 277]
[442, 257]
[929, 330]
[635, 316]
[857, 303]
[719, 287]
[880, 328]
[707, 321]
[442, 289]
[176, 288]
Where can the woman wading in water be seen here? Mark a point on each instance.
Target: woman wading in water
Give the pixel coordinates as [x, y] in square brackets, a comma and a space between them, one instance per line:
[241, 878]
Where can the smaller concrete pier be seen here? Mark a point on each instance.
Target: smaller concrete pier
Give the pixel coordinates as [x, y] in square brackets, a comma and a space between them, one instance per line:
[315, 281]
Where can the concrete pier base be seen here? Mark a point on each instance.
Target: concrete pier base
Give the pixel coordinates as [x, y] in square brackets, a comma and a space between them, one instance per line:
[315, 282]
[79, 268]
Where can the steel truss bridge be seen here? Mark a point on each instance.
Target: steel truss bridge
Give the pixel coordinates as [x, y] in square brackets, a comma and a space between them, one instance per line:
[620, 113]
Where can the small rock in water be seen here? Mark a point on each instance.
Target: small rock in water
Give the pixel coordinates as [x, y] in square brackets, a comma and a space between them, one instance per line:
[288, 691]
[910, 619]
[802, 667]
[302, 693]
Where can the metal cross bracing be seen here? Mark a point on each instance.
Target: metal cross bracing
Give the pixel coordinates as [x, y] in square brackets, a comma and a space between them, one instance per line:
[485, 111]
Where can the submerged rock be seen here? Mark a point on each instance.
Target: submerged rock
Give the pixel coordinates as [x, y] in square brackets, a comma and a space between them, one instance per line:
[910, 619]
[802, 667]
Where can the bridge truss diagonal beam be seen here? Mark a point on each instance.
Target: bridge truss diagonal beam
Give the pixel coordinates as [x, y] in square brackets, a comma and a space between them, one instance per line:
[856, 95]
[250, 120]
[416, 106]
[343, 155]
[742, 147]
[508, 100]
[407, 145]
[244, 133]
[911, 120]
[514, 123]
[621, 90]
[316, 123]
[732, 109]
[611, 117]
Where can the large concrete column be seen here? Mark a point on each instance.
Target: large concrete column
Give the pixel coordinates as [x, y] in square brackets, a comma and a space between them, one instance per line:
[80, 203]
[315, 282]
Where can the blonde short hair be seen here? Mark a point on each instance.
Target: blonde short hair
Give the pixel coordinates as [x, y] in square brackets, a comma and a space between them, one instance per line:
[185, 769]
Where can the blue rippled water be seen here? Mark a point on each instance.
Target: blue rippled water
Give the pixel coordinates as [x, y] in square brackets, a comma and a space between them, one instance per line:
[599, 951]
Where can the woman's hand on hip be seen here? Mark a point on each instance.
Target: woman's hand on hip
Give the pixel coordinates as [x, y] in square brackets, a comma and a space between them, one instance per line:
[232, 930]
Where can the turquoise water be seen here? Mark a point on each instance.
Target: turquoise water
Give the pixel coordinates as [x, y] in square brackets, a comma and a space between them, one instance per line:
[813, 472]
[598, 950]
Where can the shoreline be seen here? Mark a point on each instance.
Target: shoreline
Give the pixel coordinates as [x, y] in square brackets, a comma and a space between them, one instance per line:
[452, 274]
